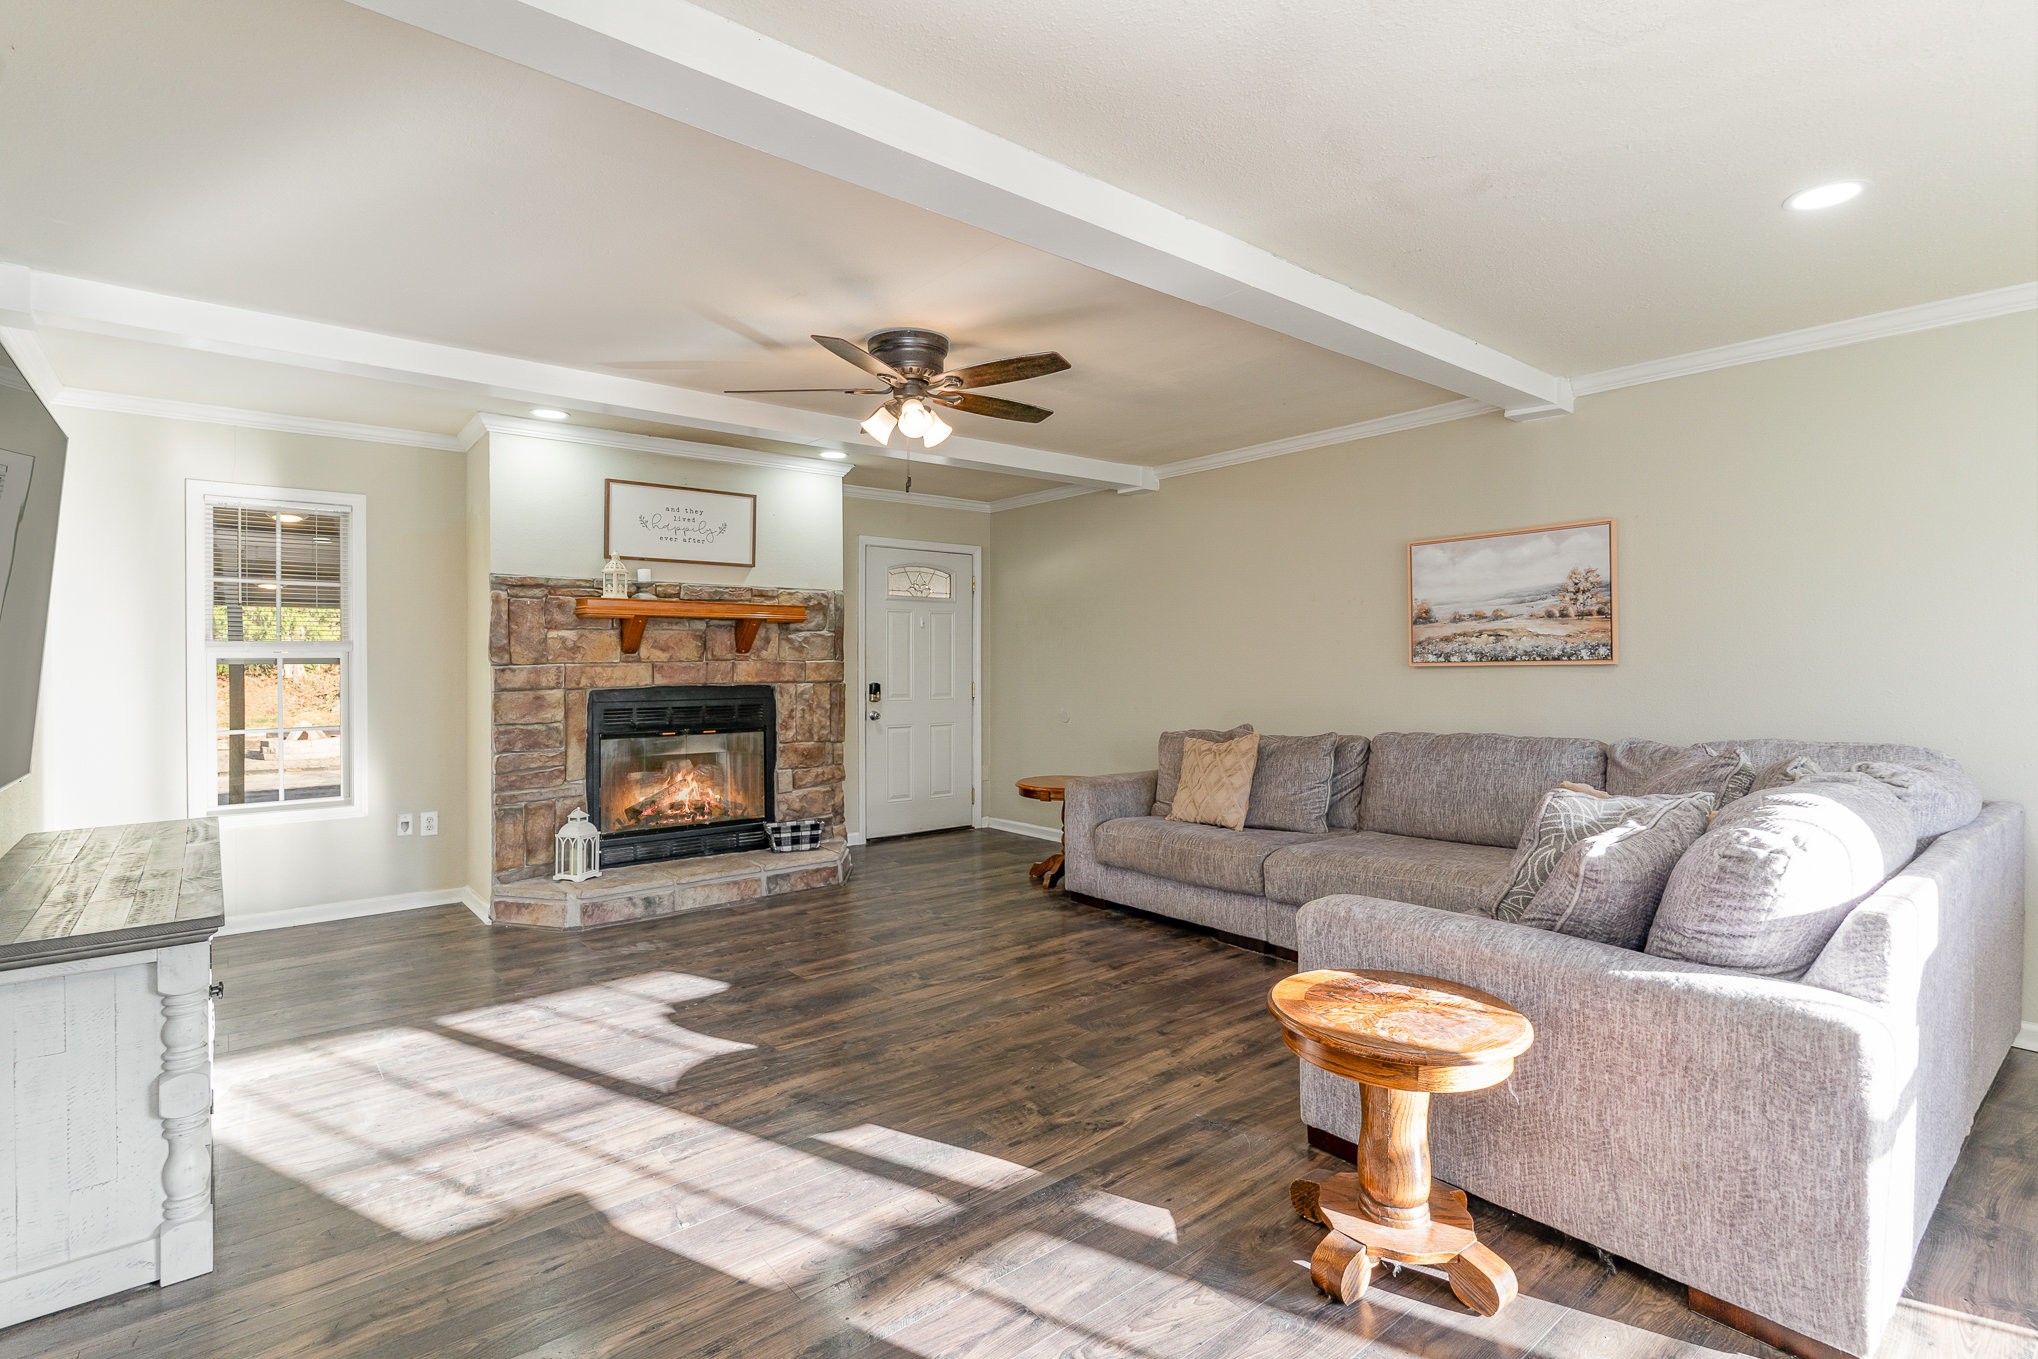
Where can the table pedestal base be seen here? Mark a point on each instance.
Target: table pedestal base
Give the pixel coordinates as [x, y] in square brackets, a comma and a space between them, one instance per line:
[1343, 1264]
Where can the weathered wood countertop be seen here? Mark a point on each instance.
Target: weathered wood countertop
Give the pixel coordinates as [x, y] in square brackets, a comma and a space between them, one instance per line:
[109, 889]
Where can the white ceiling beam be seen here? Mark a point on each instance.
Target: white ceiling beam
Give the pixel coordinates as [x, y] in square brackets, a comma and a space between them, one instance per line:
[36, 301]
[706, 71]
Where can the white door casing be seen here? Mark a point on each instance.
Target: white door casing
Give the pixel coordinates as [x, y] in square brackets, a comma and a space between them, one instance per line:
[919, 648]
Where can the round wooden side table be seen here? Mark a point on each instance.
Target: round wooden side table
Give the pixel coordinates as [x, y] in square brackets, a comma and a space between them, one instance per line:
[1046, 788]
[1402, 1038]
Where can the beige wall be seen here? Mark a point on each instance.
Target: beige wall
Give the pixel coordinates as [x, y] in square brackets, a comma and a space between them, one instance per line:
[118, 646]
[912, 523]
[1834, 545]
[545, 512]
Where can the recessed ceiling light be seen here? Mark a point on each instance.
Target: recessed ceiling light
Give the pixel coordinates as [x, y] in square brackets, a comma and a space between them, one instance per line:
[833, 454]
[1824, 196]
[548, 413]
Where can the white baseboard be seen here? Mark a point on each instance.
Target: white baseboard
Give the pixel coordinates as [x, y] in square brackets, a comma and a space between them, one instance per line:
[1026, 828]
[856, 838]
[348, 910]
[2027, 1037]
[476, 903]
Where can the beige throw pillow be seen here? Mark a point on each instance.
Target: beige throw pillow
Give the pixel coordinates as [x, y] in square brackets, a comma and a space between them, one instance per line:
[1217, 781]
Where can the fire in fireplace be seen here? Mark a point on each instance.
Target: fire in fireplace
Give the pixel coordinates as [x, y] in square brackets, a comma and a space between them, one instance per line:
[680, 770]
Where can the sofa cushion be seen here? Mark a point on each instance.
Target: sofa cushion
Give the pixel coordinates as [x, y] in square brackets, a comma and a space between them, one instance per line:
[1606, 886]
[1475, 789]
[1347, 782]
[1169, 761]
[1764, 889]
[1637, 768]
[1767, 750]
[1787, 770]
[1939, 799]
[1440, 873]
[1567, 815]
[1180, 851]
[1291, 783]
[1940, 794]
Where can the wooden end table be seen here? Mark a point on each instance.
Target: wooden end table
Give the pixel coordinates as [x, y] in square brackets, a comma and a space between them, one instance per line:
[1046, 788]
[1402, 1038]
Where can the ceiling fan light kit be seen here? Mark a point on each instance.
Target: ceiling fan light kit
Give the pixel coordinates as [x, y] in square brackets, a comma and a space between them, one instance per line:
[909, 361]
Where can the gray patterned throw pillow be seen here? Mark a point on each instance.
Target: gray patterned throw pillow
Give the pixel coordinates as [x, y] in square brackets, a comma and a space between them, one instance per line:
[1606, 886]
[1566, 816]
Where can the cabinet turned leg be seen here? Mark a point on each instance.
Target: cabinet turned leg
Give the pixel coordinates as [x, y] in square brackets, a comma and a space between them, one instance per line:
[1341, 1267]
[1482, 1280]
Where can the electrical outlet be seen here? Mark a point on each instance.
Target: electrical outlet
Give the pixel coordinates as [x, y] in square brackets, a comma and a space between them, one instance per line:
[403, 823]
[428, 823]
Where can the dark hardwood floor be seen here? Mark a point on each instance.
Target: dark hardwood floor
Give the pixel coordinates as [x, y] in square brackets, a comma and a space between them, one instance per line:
[935, 1112]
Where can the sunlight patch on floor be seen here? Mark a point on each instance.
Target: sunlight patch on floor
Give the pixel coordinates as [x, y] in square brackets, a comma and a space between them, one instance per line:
[449, 1128]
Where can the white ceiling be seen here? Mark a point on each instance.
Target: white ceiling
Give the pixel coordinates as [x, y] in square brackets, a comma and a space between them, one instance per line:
[307, 158]
[1583, 185]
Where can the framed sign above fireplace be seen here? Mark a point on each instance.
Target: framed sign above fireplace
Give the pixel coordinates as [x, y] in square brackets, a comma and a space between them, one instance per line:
[644, 521]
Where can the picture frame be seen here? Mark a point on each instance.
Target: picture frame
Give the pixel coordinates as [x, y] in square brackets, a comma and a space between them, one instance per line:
[647, 521]
[1547, 595]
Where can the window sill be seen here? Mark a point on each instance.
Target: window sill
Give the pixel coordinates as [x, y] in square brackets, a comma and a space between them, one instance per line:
[285, 815]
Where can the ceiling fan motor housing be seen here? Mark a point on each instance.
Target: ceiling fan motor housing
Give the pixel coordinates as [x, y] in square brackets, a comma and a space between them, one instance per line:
[916, 353]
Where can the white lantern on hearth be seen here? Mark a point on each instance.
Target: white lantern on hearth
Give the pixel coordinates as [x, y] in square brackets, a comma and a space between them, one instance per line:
[576, 850]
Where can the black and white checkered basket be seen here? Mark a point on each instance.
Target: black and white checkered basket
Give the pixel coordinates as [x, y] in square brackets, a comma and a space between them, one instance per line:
[788, 837]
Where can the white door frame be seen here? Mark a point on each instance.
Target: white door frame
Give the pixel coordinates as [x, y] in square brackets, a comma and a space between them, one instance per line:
[976, 668]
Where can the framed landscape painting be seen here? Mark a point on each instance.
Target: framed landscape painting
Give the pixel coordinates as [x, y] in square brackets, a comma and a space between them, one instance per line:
[1538, 596]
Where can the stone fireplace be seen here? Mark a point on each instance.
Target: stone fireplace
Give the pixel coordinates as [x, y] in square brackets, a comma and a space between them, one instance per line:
[701, 743]
[679, 770]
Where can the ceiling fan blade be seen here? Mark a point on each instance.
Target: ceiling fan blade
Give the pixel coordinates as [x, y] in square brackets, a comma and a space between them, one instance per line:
[1007, 370]
[856, 354]
[994, 405]
[843, 391]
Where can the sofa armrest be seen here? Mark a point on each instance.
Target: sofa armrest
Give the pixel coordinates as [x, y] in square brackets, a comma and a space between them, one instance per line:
[1709, 1124]
[1093, 799]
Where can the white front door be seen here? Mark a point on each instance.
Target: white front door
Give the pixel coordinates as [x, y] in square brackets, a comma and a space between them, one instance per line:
[919, 728]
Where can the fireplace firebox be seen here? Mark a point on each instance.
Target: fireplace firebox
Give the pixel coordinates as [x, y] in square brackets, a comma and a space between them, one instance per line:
[680, 770]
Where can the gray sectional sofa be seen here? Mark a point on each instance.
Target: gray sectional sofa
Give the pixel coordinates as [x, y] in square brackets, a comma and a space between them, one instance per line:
[1776, 1143]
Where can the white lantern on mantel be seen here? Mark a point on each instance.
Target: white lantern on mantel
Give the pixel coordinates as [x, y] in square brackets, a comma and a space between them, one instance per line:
[576, 850]
[615, 579]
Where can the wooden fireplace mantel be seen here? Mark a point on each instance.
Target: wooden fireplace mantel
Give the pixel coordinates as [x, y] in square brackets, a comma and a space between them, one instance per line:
[635, 613]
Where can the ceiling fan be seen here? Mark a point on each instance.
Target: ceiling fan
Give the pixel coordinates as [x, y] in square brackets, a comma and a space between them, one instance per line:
[909, 362]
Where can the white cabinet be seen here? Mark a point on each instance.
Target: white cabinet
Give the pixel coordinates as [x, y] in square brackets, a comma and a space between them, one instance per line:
[106, 1135]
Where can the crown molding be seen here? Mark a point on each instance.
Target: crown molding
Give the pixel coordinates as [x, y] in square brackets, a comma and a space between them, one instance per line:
[1951, 311]
[1323, 438]
[1856, 330]
[566, 433]
[118, 403]
[938, 502]
[60, 302]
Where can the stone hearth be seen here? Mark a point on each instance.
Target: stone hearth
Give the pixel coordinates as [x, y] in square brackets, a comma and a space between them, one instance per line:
[545, 659]
[648, 891]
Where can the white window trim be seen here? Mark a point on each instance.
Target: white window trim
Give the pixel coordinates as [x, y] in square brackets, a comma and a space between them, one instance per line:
[201, 683]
